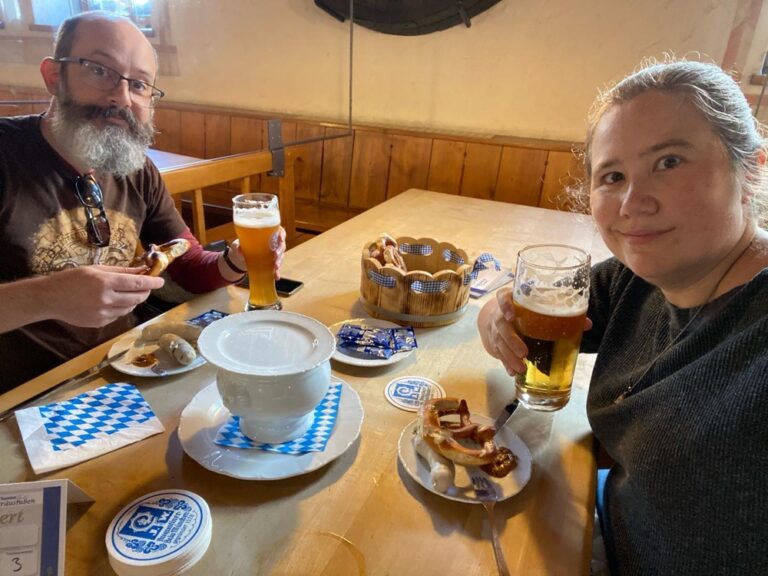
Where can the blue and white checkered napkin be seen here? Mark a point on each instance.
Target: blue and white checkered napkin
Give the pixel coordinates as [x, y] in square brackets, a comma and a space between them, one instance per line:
[313, 440]
[88, 425]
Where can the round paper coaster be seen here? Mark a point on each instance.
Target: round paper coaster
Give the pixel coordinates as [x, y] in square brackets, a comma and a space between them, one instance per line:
[404, 392]
[159, 533]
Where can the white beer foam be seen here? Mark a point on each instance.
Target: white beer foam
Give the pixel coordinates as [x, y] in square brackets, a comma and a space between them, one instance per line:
[256, 217]
[561, 308]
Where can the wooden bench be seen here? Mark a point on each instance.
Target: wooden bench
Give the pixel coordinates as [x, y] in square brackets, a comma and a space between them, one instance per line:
[239, 170]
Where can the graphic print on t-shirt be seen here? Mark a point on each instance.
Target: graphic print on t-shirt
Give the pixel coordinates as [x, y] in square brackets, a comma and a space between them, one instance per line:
[62, 242]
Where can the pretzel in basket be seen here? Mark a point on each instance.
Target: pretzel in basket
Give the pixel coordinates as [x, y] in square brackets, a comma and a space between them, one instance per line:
[463, 442]
[158, 258]
[386, 252]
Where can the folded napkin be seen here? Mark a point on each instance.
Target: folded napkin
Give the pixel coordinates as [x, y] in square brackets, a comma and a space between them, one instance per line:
[94, 423]
[313, 440]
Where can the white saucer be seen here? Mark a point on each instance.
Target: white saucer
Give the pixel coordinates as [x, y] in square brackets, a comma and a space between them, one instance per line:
[361, 359]
[165, 366]
[205, 414]
[462, 490]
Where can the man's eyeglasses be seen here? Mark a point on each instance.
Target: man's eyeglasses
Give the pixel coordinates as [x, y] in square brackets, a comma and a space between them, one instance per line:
[105, 78]
[89, 195]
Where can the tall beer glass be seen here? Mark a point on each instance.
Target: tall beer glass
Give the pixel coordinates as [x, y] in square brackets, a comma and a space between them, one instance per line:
[550, 296]
[257, 223]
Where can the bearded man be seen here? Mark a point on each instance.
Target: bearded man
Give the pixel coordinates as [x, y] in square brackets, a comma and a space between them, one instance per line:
[78, 197]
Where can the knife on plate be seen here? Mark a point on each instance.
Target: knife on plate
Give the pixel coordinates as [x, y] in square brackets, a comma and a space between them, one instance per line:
[84, 376]
[506, 413]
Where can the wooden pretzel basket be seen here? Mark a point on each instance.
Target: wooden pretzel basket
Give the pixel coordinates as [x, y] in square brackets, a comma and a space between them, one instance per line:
[433, 292]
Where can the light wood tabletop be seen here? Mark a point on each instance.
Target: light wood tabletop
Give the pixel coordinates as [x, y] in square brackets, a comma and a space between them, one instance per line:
[169, 160]
[361, 514]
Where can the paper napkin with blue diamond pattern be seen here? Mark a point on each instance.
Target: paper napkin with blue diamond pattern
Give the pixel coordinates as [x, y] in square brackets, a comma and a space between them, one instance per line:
[313, 440]
[94, 423]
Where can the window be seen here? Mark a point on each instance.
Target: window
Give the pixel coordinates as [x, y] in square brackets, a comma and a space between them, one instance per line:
[27, 27]
[48, 14]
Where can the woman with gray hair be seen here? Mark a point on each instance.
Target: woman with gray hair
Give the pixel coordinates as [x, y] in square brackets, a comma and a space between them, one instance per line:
[675, 168]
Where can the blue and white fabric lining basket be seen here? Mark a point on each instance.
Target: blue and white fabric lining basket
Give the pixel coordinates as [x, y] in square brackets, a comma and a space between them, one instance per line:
[434, 290]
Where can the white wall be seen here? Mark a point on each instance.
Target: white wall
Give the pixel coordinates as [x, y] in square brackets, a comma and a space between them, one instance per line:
[525, 68]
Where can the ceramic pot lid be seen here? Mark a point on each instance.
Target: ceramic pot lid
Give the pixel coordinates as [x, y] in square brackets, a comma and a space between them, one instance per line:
[266, 343]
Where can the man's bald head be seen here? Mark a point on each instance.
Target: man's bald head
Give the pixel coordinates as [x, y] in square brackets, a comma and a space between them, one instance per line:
[67, 33]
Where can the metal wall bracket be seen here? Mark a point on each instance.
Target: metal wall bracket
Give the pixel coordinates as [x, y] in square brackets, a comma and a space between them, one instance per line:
[275, 138]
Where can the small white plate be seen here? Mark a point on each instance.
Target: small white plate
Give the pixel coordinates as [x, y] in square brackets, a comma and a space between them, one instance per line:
[462, 490]
[364, 360]
[205, 414]
[165, 366]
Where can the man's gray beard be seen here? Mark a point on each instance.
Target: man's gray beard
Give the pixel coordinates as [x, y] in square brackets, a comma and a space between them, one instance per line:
[110, 149]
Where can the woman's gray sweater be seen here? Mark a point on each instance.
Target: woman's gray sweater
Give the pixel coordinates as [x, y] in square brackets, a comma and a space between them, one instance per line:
[689, 491]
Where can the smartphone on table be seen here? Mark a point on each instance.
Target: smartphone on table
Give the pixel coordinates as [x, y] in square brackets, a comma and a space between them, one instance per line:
[284, 286]
[287, 287]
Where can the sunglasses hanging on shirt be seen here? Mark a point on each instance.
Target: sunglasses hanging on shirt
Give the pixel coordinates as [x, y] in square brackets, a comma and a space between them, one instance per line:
[90, 197]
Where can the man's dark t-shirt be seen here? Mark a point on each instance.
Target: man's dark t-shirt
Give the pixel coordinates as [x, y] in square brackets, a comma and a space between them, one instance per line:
[43, 229]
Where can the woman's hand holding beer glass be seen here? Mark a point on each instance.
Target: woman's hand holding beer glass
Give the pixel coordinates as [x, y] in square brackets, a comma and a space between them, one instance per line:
[535, 328]
[261, 241]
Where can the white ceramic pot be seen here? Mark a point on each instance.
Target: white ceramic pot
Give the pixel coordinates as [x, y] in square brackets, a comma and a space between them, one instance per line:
[273, 370]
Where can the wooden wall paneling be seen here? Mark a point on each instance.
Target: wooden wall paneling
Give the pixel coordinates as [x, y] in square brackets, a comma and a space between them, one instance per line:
[370, 169]
[308, 168]
[563, 170]
[337, 164]
[271, 184]
[481, 170]
[168, 130]
[217, 135]
[192, 130]
[409, 164]
[521, 175]
[446, 165]
[16, 95]
[247, 135]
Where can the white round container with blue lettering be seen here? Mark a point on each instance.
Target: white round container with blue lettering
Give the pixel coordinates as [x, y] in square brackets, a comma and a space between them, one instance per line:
[161, 534]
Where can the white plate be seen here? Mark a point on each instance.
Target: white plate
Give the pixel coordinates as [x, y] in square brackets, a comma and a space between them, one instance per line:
[462, 490]
[363, 360]
[165, 366]
[205, 414]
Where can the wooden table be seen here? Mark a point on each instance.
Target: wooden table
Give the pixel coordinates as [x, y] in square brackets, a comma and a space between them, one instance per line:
[361, 514]
[170, 161]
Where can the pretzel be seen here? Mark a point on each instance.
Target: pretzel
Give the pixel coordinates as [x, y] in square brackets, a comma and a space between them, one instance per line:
[386, 252]
[158, 258]
[463, 442]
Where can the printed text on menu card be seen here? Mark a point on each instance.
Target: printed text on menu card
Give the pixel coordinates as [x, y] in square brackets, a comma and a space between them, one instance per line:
[33, 527]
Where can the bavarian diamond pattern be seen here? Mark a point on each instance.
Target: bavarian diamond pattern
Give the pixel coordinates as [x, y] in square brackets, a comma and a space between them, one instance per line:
[480, 264]
[313, 440]
[94, 415]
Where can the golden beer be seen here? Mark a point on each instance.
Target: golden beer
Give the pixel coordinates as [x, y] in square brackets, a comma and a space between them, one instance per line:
[257, 224]
[553, 347]
[550, 302]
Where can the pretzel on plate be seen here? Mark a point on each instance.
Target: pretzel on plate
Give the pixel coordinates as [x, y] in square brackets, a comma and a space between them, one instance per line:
[158, 258]
[463, 442]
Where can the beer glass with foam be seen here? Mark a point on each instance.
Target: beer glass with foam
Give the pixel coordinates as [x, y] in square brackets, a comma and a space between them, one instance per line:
[550, 296]
[257, 224]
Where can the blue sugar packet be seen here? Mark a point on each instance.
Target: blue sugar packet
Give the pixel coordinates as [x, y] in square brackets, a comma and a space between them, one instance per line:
[405, 338]
[355, 349]
[366, 336]
[357, 340]
[207, 318]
